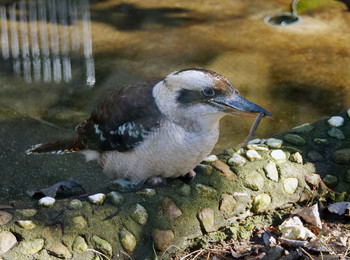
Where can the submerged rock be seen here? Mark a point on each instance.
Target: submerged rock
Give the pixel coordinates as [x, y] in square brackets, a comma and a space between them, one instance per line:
[342, 156]
[60, 250]
[79, 244]
[206, 217]
[5, 217]
[101, 245]
[127, 239]
[336, 133]
[26, 224]
[32, 246]
[75, 204]
[162, 239]
[330, 180]
[115, 198]
[79, 222]
[147, 192]
[170, 209]
[204, 190]
[139, 214]
[184, 190]
[294, 139]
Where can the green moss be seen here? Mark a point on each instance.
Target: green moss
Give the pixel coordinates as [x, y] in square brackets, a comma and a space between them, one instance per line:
[311, 5]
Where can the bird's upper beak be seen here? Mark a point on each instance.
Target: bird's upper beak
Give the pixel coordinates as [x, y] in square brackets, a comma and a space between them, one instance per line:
[240, 106]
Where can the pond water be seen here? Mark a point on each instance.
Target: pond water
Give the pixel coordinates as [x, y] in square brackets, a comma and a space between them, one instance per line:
[58, 58]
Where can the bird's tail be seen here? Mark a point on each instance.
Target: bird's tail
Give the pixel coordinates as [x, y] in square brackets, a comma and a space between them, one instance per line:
[58, 147]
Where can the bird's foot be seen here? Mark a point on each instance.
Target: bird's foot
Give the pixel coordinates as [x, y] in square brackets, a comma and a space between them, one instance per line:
[189, 177]
[156, 181]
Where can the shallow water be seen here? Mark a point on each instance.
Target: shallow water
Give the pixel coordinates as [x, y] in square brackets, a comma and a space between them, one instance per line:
[58, 58]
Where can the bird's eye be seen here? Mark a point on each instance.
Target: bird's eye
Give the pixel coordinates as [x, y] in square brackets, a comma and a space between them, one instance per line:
[209, 92]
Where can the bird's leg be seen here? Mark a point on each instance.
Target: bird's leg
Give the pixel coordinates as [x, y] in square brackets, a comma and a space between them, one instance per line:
[189, 177]
[156, 180]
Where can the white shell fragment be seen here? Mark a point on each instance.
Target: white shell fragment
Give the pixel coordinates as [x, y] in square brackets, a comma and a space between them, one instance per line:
[97, 199]
[253, 155]
[336, 121]
[279, 156]
[236, 159]
[274, 143]
[46, 202]
[210, 158]
[294, 229]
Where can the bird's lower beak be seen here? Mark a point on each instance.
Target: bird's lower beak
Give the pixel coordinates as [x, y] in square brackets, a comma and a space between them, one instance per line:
[241, 106]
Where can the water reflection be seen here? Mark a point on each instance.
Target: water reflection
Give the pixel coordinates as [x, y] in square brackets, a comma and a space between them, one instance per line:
[45, 36]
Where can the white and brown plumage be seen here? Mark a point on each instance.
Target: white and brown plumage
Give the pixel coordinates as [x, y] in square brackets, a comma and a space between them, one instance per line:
[157, 129]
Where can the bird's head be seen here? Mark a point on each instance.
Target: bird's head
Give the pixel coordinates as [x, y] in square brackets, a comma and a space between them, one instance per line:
[201, 94]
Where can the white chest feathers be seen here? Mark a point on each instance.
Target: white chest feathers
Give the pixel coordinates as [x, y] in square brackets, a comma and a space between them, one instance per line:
[171, 151]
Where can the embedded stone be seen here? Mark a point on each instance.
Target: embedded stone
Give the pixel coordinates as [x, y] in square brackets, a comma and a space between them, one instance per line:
[342, 156]
[255, 141]
[162, 239]
[225, 170]
[254, 181]
[330, 180]
[296, 157]
[210, 159]
[253, 155]
[228, 203]
[184, 190]
[170, 208]
[26, 224]
[336, 133]
[7, 241]
[313, 180]
[348, 112]
[139, 214]
[101, 245]
[79, 222]
[147, 192]
[274, 143]
[261, 202]
[32, 246]
[59, 250]
[127, 239]
[207, 218]
[79, 244]
[258, 147]
[237, 160]
[229, 151]
[336, 121]
[302, 129]
[204, 169]
[294, 139]
[46, 202]
[321, 141]
[314, 156]
[5, 217]
[279, 156]
[115, 198]
[271, 171]
[27, 212]
[206, 191]
[97, 199]
[75, 204]
[290, 185]
[122, 185]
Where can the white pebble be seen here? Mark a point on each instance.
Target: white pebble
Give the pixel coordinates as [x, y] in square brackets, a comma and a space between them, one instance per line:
[336, 121]
[349, 112]
[255, 141]
[236, 159]
[279, 156]
[97, 199]
[257, 147]
[274, 143]
[46, 202]
[211, 158]
[253, 155]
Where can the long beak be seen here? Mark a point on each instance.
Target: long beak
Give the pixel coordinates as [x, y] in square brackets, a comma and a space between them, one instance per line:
[240, 106]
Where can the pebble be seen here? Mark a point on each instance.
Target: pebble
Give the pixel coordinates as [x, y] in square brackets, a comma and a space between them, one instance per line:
[313, 180]
[101, 245]
[237, 160]
[207, 218]
[314, 156]
[127, 239]
[330, 180]
[254, 181]
[253, 155]
[170, 209]
[5, 217]
[97, 198]
[275, 253]
[139, 214]
[336, 133]
[26, 224]
[224, 170]
[79, 222]
[7, 241]
[59, 250]
[342, 156]
[211, 158]
[162, 239]
[290, 185]
[184, 190]
[274, 143]
[261, 202]
[147, 192]
[122, 185]
[271, 171]
[258, 147]
[46, 202]
[204, 169]
[336, 121]
[228, 203]
[302, 129]
[229, 151]
[321, 141]
[206, 191]
[296, 157]
[294, 139]
[279, 156]
[255, 141]
[75, 204]
[115, 198]
[348, 112]
[79, 244]
[32, 246]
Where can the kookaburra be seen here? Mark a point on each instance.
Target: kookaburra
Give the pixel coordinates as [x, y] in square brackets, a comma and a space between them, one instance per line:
[163, 128]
